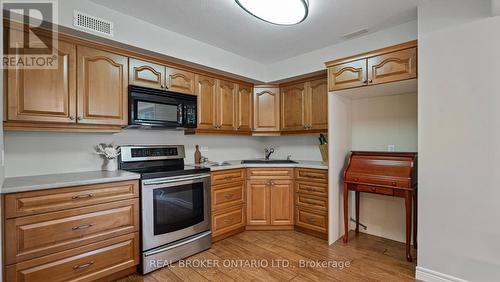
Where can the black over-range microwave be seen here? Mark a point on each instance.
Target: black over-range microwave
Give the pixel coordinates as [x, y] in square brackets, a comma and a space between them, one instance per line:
[158, 108]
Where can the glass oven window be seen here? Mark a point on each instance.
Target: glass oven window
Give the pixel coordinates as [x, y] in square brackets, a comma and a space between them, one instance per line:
[178, 207]
[156, 111]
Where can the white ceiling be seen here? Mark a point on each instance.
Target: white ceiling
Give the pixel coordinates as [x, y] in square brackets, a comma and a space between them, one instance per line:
[222, 23]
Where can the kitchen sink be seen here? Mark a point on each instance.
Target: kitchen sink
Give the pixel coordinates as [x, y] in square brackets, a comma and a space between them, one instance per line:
[268, 162]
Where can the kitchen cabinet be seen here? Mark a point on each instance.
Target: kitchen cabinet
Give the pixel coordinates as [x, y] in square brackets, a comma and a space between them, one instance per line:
[266, 109]
[394, 63]
[147, 74]
[206, 90]
[228, 203]
[93, 229]
[270, 199]
[225, 105]
[244, 109]
[102, 87]
[317, 105]
[293, 107]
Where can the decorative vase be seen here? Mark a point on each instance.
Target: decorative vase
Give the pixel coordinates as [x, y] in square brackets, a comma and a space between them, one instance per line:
[110, 165]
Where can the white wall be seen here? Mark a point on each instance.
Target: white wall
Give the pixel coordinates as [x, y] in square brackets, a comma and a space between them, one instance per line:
[299, 147]
[459, 137]
[376, 123]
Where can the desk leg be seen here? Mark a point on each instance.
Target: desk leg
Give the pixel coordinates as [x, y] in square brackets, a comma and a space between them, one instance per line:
[357, 212]
[415, 218]
[408, 205]
[346, 213]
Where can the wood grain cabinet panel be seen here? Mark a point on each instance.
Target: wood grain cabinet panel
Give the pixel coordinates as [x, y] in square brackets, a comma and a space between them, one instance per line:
[87, 263]
[281, 202]
[314, 202]
[227, 176]
[37, 235]
[228, 195]
[244, 109]
[394, 66]
[311, 220]
[309, 174]
[317, 107]
[43, 95]
[146, 74]
[311, 188]
[293, 107]
[180, 81]
[206, 90]
[36, 202]
[228, 220]
[102, 87]
[347, 75]
[225, 108]
[270, 173]
[266, 110]
[258, 203]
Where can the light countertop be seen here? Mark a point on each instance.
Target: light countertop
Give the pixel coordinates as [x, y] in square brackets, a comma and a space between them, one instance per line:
[237, 164]
[50, 181]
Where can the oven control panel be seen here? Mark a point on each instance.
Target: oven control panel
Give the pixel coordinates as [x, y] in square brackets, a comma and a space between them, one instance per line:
[145, 153]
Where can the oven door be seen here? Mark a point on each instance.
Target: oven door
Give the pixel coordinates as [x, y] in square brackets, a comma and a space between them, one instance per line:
[174, 208]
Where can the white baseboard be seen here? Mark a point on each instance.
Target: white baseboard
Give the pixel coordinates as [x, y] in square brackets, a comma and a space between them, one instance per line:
[428, 275]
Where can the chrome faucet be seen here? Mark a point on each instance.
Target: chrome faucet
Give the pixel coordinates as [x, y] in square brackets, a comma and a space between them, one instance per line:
[268, 152]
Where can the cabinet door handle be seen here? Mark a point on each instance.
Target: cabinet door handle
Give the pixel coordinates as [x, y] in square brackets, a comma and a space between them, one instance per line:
[227, 178]
[365, 81]
[71, 118]
[82, 266]
[86, 196]
[79, 118]
[370, 81]
[311, 219]
[228, 196]
[84, 226]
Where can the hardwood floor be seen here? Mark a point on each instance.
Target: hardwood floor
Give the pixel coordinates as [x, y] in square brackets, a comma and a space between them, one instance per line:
[371, 259]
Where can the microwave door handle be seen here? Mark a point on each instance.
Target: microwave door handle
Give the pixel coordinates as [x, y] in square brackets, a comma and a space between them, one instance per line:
[180, 114]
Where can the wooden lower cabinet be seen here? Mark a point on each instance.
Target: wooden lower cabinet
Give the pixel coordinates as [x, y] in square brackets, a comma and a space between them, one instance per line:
[312, 220]
[86, 263]
[228, 222]
[80, 233]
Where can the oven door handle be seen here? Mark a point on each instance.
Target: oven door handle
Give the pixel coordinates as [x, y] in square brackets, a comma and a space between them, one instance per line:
[154, 252]
[175, 179]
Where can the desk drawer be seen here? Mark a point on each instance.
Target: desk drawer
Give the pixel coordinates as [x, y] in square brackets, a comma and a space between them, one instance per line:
[270, 173]
[313, 202]
[308, 174]
[317, 221]
[371, 179]
[376, 190]
[228, 195]
[227, 176]
[38, 235]
[87, 263]
[228, 220]
[36, 202]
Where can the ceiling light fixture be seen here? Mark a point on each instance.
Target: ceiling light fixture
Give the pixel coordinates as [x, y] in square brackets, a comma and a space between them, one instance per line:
[278, 12]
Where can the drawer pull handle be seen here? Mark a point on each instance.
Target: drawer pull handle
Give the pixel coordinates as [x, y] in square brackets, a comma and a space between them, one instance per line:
[227, 178]
[86, 196]
[82, 266]
[228, 220]
[373, 189]
[84, 226]
[228, 196]
[311, 219]
[394, 183]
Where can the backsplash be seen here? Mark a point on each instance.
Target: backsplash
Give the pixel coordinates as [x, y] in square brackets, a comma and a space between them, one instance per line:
[33, 153]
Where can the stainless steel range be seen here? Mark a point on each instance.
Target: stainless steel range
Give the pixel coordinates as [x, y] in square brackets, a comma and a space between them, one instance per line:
[175, 201]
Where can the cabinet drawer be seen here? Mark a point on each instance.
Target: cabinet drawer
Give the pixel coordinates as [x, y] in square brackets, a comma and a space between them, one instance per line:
[227, 176]
[316, 189]
[372, 179]
[227, 195]
[228, 220]
[29, 203]
[308, 174]
[270, 173]
[376, 190]
[313, 202]
[311, 220]
[38, 235]
[88, 263]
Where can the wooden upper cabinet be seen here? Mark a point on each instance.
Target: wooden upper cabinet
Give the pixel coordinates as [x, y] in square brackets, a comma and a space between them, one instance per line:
[281, 202]
[266, 109]
[317, 110]
[293, 103]
[207, 95]
[394, 66]
[146, 74]
[180, 81]
[257, 203]
[43, 95]
[102, 87]
[244, 110]
[226, 94]
[347, 75]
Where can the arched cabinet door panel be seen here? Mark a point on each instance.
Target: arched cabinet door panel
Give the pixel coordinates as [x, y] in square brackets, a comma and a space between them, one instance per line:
[266, 109]
[394, 66]
[293, 107]
[207, 96]
[180, 81]
[102, 87]
[225, 105]
[244, 111]
[146, 74]
[318, 104]
[347, 75]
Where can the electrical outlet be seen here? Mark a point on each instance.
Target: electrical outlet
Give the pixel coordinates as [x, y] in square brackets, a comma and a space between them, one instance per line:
[391, 148]
[204, 149]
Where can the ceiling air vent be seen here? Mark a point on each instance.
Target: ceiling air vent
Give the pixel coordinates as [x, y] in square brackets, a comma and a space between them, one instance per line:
[355, 34]
[91, 23]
